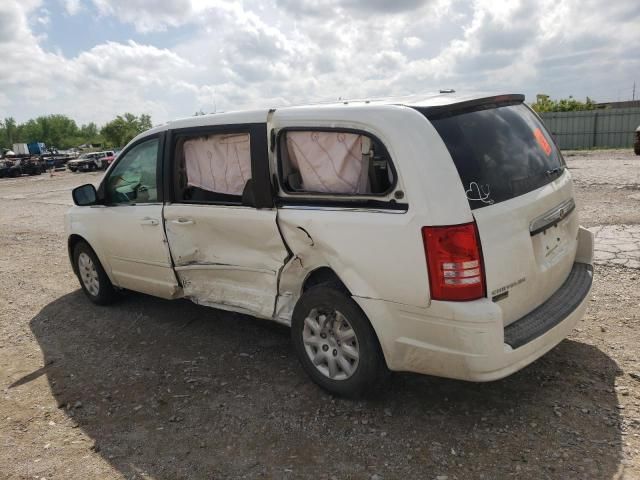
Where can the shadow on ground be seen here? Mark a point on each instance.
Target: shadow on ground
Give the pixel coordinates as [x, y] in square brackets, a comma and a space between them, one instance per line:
[173, 390]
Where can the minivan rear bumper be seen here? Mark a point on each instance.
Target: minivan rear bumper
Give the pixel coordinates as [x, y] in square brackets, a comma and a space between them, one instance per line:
[468, 340]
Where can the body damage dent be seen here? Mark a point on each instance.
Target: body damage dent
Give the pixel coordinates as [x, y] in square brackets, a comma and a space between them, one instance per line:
[225, 293]
[226, 259]
[306, 257]
[179, 292]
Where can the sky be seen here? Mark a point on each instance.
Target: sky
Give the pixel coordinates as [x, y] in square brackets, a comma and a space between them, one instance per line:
[94, 59]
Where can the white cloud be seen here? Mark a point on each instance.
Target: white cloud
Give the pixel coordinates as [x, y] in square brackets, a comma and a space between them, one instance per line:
[275, 52]
[412, 42]
[72, 7]
[43, 18]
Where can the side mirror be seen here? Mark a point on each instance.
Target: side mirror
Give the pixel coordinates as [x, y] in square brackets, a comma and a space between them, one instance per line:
[248, 197]
[84, 195]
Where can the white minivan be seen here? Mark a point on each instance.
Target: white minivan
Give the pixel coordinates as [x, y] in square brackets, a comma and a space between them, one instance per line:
[434, 234]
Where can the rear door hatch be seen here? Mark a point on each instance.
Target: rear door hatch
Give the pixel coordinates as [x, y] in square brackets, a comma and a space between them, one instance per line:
[521, 197]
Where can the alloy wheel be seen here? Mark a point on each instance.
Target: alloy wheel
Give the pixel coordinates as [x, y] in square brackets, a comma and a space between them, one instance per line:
[331, 343]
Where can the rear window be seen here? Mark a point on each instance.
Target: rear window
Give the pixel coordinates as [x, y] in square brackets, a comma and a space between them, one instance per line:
[500, 153]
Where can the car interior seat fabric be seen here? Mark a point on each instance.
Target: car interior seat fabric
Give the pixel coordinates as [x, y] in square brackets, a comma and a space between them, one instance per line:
[328, 162]
[218, 163]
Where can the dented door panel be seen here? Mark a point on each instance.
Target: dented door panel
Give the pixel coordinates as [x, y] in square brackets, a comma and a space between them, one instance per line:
[226, 256]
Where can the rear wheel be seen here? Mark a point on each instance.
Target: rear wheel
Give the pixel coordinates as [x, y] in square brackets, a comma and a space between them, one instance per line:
[335, 342]
[93, 279]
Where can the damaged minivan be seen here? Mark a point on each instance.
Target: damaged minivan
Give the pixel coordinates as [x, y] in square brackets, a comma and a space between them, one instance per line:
[434, 234]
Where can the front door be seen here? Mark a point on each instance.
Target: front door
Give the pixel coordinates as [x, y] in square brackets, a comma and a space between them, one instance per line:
[227, 252]
[131, 223]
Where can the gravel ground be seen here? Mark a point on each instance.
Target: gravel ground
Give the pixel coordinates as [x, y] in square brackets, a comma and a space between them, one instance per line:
[157, 389]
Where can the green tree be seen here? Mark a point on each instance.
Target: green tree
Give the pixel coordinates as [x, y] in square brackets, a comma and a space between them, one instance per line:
[62, 132]
[3, 137]
[90, 130]
[54, 130]
[119, 131]
[31, 131]
[10, 131]
[544, 103]
[145, 122]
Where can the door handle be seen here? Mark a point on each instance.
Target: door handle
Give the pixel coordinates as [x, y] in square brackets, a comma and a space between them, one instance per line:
[149, 221]
[183, 221]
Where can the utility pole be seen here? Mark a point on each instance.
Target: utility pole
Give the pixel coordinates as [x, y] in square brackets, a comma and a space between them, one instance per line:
[634, 90]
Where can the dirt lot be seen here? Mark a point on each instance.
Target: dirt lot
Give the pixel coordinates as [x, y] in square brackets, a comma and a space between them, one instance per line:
[156, 389]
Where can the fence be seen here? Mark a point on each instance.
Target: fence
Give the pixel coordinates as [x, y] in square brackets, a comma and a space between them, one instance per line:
[613, 127]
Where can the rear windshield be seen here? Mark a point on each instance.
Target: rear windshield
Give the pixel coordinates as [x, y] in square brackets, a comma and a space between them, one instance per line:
[500, 153]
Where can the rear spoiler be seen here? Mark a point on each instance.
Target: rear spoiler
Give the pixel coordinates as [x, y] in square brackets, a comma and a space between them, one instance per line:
[485, 103]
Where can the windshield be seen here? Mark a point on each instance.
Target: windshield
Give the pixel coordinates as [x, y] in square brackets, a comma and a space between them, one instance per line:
[500, 153]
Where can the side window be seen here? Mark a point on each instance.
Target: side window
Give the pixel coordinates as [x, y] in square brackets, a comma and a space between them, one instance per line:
[333, 162]
[134, 178]
[211, 168]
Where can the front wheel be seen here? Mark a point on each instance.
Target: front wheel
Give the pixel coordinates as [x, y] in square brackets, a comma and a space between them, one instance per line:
[335, 342]
[93, 279]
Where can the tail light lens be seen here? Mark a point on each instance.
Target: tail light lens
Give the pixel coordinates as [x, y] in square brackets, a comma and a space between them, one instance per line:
[454, 262]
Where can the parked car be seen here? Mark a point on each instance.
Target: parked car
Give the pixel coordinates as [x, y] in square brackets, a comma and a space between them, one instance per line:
[86, 159]
[91, 161]
[435, 235]
[8, 168]
[19, 165]
[636, 144]
[31, 165]
[107, 159]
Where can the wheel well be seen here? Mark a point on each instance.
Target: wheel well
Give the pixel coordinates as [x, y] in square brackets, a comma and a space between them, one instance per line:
[323, 275]
[326, 276]
[71, 245]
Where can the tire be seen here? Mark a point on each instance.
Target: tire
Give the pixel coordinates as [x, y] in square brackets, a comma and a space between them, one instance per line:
[93, 279]
[344, 332]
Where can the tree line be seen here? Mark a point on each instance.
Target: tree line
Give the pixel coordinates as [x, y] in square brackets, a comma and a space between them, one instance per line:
[544, 103]
[62, 132]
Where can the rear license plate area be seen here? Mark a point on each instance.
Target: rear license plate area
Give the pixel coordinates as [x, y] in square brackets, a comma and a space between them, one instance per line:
[550, 243]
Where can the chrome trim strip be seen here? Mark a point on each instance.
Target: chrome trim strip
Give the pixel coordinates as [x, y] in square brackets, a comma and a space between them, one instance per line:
[552, 217]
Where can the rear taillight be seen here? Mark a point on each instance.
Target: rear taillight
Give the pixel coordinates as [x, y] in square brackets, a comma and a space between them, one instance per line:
[454, 262]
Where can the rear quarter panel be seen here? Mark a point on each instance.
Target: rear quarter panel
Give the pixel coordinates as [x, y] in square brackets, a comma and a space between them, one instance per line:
[377, 254]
